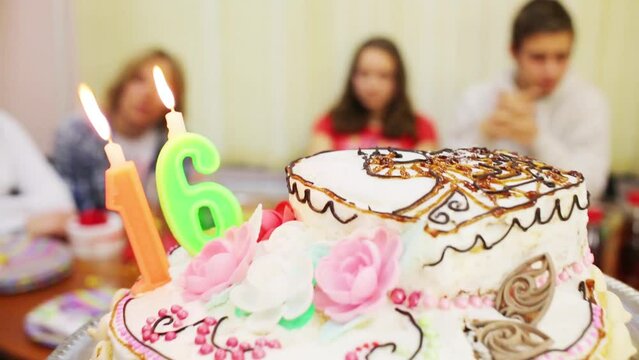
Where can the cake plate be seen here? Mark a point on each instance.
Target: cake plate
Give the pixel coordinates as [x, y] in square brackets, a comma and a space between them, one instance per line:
[80, 345]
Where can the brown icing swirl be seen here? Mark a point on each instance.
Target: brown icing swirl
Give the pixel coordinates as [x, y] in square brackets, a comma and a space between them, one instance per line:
[469, 184]
[527, 292]
[510, 340]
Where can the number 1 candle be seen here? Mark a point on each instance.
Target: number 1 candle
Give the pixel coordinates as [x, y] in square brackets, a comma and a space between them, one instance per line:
[124, 194]
[181, 201]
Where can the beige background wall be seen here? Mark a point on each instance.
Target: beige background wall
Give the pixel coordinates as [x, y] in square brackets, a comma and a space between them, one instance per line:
[260, 72]
[37, 64]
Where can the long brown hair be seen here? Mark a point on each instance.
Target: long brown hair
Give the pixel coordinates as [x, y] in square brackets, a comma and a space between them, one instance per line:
[351, 116]
[130, 71]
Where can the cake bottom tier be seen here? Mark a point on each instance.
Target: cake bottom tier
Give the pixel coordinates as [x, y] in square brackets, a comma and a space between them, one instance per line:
[583, 320]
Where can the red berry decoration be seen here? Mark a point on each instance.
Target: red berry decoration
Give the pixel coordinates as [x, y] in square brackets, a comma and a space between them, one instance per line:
[413, 299]
[398, 296]
[231, 342]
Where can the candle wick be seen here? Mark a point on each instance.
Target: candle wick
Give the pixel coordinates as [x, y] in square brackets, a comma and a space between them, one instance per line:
[110, 140]
[173, 109]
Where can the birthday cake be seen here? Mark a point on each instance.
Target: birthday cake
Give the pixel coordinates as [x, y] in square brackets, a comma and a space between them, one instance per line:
[388, 254]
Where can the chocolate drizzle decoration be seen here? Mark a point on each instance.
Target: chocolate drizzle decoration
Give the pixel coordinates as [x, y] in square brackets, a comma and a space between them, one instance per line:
[516, 223]
[509, 340]
[456, 202]
[527, 292]
[305, 198]
[468, 182]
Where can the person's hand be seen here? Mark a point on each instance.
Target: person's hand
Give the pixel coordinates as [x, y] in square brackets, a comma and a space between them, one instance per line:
[513, 118]
[49, 224]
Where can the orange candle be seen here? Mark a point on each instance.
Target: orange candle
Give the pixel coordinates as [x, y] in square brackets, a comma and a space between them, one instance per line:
[125, 194]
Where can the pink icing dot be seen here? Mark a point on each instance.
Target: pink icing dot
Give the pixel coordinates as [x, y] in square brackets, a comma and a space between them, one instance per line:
[231, 342]
[276, 344]
[146, 335]
[398, 296]
[429, 301]
[444, 303]
[154, 337]
[150, 320]
[182, 314]
[461, 301]
[206, 349]
[413, 299]
[475, 301]
[573, 351]
[544, 357]
[563, 276]
[488, 301]
[258, 353]
[203, 329]
[590, 258]
[245, 346]
[210, 321]
[146, 327]
[220, 354]
[177, 323]
[199, 340]
[577, 268]
[170, 335]
[175, 308]
[237, 354]
[597, 323]
[260, 342]
[162, 312]
[351, 355]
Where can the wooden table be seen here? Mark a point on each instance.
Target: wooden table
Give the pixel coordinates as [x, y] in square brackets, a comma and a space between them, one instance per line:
[14, 343]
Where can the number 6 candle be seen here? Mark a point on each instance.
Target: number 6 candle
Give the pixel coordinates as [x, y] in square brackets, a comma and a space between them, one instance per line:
[124, 194]
[180, 201]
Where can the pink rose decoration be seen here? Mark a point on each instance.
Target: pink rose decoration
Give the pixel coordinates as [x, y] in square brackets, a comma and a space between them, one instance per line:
[222, 262]
[271, 219]
[355, 276]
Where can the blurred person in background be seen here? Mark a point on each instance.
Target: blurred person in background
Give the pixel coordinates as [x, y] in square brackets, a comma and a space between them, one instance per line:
[136, 116]
[32, 195]
[540, 109]
[375, 109]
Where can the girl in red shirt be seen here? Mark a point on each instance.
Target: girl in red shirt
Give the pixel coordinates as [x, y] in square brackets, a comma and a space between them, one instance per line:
[375, 109]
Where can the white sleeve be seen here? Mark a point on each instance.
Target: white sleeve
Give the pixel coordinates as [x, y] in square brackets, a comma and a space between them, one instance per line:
[40, 188]
[464, 130]
[584, 145]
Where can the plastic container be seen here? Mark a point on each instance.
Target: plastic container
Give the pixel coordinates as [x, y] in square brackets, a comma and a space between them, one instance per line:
[97, 241]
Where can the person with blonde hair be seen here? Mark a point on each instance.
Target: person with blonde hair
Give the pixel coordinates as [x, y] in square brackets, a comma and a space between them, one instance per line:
[136, 116]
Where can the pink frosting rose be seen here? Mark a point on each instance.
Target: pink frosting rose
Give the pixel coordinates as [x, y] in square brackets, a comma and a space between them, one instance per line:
[355, 276]
[272, 219]
[222, 262]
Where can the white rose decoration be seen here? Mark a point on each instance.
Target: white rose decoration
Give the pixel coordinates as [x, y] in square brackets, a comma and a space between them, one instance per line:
[279, 282]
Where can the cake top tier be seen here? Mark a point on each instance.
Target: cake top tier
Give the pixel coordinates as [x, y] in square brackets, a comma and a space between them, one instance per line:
[447, 189]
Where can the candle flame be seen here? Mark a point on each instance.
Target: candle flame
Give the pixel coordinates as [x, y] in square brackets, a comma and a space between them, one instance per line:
[163, 88]
[91, 108]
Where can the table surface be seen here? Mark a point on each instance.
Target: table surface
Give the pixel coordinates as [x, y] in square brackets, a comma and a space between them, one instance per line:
[14, 343]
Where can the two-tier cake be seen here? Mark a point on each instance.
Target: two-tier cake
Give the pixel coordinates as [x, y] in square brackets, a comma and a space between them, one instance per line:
[466, 254]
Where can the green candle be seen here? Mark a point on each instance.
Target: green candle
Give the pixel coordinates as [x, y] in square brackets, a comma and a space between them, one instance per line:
[181, 201]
